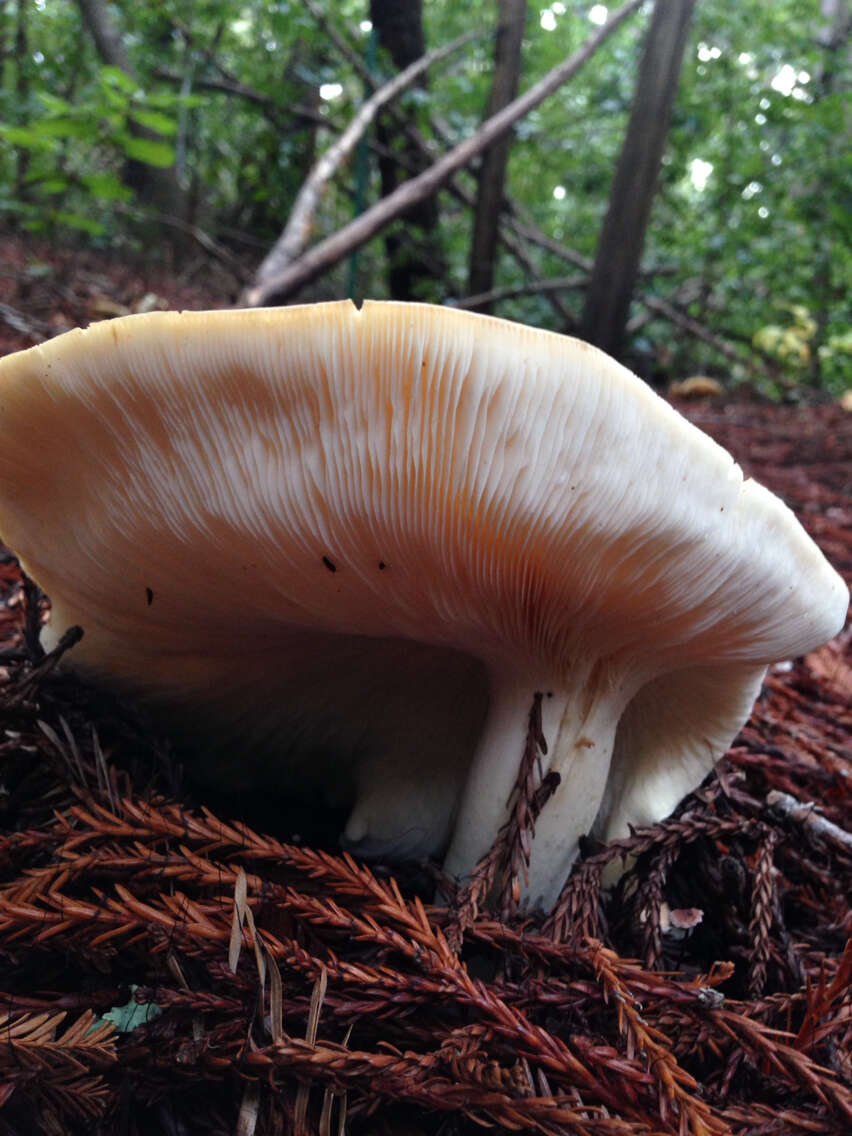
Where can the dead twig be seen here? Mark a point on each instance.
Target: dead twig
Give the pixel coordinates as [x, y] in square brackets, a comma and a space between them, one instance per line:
[297, 231]
[806, 814]
[329, 251]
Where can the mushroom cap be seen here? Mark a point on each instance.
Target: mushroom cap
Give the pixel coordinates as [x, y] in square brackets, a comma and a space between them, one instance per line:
[526, 493]
[203, 486]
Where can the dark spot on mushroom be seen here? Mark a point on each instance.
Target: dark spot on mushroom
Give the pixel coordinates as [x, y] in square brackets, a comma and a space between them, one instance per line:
[584, 743]
[550, 694]
[149, 596]
[382, 565]
[331, 567]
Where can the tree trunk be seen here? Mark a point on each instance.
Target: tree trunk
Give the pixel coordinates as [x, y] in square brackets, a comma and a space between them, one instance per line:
[834, 38]
[511, 18]
[22, 88]
[623, 234]
[155, 186]
[415, 259]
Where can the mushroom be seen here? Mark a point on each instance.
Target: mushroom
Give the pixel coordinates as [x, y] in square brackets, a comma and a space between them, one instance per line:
[346, 547]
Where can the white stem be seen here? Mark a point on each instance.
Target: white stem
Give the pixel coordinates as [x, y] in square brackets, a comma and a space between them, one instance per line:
[581, 756]
[579, 729]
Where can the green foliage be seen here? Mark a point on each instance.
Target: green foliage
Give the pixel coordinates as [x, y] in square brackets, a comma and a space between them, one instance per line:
[132, 1014]
[753, 203]
[790, 343]
[76, 148]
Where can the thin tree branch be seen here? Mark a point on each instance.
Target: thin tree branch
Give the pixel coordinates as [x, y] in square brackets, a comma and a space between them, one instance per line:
[529, 232]
[363, 228]
[342, 46]
[297, 231]
[807, 814]
[687, 323]
[443, 132]
[656, 307]
[685, 294]
[278, 116]
[445, 136]
[535, 288]
[232, 86]
[517, 250]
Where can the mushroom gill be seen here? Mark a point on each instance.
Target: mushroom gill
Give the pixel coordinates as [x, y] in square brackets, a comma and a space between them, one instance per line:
[343, 549]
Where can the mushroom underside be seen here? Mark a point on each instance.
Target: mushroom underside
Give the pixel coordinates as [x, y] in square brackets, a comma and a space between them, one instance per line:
[263, 518]
[419, 746]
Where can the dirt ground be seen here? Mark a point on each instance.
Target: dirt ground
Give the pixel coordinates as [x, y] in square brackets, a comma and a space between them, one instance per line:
[281, 988]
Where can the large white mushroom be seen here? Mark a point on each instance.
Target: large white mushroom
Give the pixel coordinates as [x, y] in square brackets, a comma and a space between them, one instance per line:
[352, 545]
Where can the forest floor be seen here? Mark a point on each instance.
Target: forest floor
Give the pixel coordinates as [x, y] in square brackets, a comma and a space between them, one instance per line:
[278, 987]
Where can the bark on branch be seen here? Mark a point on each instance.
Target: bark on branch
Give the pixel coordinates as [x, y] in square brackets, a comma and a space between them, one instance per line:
[807, 814]
[509, 236]
[298, 229]
[328, 252]
[622, 236]
[693, 327]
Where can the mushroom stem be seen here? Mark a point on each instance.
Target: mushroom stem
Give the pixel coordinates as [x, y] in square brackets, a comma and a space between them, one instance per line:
[579, 725]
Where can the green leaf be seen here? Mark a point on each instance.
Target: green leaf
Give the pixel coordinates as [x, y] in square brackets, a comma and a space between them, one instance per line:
[170, 100]
[78, 221]
[64, 128]
[21, 136]
[148, 151]
[116, 78]
[106, 186]
[54, 104]
[53, 185]
[155, 121]
[117, 100]
[132, 1014]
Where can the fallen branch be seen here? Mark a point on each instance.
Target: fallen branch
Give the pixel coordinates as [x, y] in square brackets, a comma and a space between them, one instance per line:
[508, 234]
[297, 231]
[328, 252]
[805, 813]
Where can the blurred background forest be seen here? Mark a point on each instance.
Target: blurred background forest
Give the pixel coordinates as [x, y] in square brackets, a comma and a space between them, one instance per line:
[683, 196]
